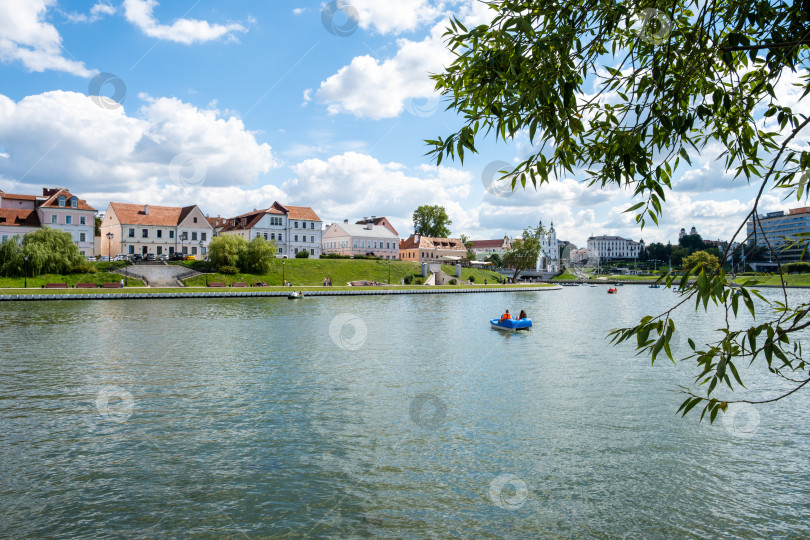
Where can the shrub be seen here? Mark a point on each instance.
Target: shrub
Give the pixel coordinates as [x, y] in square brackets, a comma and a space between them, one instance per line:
[372, 257]
[303, 254]
[472, 279]
[797, 267]
[83, 268]
[453, 281]
[228, 270]
[334, 256]
[419, 281]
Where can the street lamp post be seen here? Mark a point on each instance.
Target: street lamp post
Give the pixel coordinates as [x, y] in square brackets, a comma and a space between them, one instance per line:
[25, 269]
[109, 245]
[201, 248]
[389, 271]
[283, 264]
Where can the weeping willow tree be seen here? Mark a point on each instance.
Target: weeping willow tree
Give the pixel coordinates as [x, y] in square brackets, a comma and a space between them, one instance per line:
[627, 94]
[44, 251]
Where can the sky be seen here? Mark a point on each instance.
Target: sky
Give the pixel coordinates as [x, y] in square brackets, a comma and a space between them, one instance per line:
[234, 105]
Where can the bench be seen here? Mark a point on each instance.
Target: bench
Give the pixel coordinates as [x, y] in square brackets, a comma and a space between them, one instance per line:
[111, 285]
[217, 284]
[240, 284]
[56, 286]
[86, 285]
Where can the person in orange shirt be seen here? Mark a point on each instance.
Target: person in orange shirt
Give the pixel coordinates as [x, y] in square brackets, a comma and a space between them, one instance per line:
[506, 316]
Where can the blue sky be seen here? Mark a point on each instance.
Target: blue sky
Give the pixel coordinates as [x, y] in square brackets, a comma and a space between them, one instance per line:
[234, 105]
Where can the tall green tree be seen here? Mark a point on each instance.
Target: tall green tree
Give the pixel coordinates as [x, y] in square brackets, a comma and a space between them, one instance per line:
[468, 244]
[227, 250]
[525, 251]
[629, 93]
[431, 221]
[50, 251]
[260, 256]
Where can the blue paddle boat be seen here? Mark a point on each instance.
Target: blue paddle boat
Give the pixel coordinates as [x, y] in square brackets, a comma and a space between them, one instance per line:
[511, 325]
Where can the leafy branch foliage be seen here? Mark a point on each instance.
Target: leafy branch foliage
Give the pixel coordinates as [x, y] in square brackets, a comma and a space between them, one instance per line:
[625, 95]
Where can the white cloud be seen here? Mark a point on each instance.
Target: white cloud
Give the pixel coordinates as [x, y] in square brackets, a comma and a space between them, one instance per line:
[186, 31]
[26, 38]
[97, 12]
[395, 17]
[373, 88]
[299, 11]
[353, 185]
[66, 137]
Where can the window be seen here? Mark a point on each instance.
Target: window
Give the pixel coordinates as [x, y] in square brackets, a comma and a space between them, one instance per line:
[296, 239]
[312, 225]
[82, 220]
[203, 237]
[272, 236]
[185, 250]
[312, 239]
[74, 202]
[159, 235]
[193, 250]
[171, 234]
[363, 244]
[53, 218]
[5, 237]
[194, 236]
[68, 220]
[160, 249]
[355, 243]
[279, 250]
[61, 201]
[131, 250]
[195, 220]
[82, 237]
[296, 224]
[312, 251]
[280, 239]
[296, 251]
[202, 251]
[144, 233]
[132, 233]
[265, 236]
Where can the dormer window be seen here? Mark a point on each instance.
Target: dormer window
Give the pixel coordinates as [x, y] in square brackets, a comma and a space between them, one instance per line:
[74, 202]
[62, 201]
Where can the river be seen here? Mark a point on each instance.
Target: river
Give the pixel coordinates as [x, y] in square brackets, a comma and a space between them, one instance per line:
[396, 416]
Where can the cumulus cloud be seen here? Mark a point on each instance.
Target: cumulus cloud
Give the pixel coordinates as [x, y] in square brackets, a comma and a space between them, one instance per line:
[26, 38]
[372, 88]
[186, 31]
[66, 138]
[396, 17]
[97, 12]
[353, 185]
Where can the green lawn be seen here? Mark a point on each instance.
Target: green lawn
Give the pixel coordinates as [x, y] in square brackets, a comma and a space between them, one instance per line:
[790, 279]
[479, 274]
[70, 279]
[302, 272]
[631, 278]
[567, 276]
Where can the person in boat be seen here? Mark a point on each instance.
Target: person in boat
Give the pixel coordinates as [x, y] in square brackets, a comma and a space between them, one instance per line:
[506, 316]
[522, 315]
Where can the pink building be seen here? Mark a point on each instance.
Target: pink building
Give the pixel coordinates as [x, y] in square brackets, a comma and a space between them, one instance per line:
[361, 239]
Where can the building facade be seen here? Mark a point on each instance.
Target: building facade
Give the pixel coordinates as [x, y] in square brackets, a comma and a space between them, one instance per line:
[549, 258]
[57, 208]
[485, 248]
[610, 248]
[421, 249]
[776, 230]
[378, 221]
[361, 239]
[579, 256]
[292, 228]
[160, 230]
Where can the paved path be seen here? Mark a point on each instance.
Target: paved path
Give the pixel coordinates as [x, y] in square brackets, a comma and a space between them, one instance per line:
[158, 275]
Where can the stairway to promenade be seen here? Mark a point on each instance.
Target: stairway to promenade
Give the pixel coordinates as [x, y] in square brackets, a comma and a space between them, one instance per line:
[159, 274]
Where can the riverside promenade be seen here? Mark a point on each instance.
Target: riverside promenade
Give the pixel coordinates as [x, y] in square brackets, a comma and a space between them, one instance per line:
[205, 293]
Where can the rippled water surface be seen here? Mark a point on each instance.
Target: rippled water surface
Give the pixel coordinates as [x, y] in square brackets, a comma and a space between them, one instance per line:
[401, 416]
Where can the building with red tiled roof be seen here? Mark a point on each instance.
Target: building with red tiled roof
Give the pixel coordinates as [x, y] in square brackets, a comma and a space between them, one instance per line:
[383, 221]
[161, 230]
[361, 238]
[419, 248]
[491, 246]
[292, 228]
[56, 207]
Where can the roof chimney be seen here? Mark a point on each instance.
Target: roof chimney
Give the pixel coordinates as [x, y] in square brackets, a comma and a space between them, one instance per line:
[373, 218]
[146, 209]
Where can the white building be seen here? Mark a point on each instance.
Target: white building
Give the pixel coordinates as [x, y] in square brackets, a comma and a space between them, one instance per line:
[549, 258]
[361, 239]
[609, 248]
[160, 230]
[56, 208]
[292, 228]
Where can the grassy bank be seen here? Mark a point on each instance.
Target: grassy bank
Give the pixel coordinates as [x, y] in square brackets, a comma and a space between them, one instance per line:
[302, 272]
[70, 279]
[565, 276]
[479, 274]
[790, 280]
